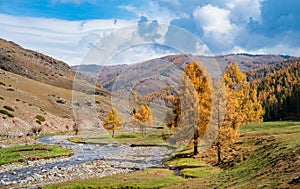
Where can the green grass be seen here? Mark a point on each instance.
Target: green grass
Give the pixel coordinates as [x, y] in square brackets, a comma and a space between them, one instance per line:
[31, 152]
[279, 127]
[9, 108]
[5, 112]
[192, 168]
[152, 137]
[185, 163]
[77, 140]
[148, 178]
[40, 118]
[198, 172]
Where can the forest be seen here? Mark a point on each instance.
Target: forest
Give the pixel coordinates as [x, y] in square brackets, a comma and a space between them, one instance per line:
[278, 89]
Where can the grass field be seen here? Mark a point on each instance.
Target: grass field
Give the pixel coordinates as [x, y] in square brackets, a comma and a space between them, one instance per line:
[265, 156]
[31, 152]
[152, 137]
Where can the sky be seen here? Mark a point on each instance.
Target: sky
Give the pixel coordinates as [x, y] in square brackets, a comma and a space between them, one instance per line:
[68, 29]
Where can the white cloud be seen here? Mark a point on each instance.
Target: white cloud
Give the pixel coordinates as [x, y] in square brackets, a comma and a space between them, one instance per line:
[277, 49]
[62, 39]
[129, 8]
[216, 24]
[242, 10]
[133, 44]
[137, 54]
[71, 41]
[152, 10]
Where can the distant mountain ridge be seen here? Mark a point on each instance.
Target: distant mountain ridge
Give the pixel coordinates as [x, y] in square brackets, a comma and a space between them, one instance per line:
[107, 75]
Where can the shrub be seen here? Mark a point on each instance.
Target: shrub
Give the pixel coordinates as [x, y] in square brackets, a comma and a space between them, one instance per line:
[1, 83]
[6, 113]
[61, 101]
[36, 130]
[9, 108]
[40, 118]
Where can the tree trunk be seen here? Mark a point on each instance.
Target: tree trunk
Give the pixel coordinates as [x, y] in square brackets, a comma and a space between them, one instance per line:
[143, 131]
[196, 136]
[218, 143]
[113, 134]
[219, 154]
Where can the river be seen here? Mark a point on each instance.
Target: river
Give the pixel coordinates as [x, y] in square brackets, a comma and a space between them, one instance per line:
[88, 160]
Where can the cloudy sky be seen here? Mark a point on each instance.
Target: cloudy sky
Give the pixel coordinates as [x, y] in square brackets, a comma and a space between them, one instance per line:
[66, 29]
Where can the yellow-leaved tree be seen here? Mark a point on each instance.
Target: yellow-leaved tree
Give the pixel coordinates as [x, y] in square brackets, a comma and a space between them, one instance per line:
[242, 106]
[143, 118]
[192, 106]
[113, 121]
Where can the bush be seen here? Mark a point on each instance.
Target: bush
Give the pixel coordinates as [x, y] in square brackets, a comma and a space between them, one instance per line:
[9, 108]
[36, 130]
[1, 83]
[6, 113]
[40, 118]
[61, 101]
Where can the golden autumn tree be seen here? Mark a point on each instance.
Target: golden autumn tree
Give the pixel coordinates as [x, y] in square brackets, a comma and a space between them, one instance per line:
[113, 121]
[242, 106]
[242, 99]
[143, 118]
[192, 107]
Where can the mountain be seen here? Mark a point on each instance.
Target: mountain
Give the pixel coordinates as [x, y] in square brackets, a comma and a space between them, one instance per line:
[37, 93]
[35, 65]
[161, 67]
[264, 71]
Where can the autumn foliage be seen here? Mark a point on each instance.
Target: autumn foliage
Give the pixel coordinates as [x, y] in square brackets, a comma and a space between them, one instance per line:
[192, 106]
[279, 92]
[235, 104]
[113, 121]
[241, 106]
[143, 118]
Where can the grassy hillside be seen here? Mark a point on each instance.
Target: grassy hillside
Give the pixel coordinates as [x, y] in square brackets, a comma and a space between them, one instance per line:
[265, 156]
[37, 94]
[28, 101]
[35, 65]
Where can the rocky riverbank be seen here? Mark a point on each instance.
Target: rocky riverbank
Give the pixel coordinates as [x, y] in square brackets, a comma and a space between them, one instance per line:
[16, 174]
[88, 161]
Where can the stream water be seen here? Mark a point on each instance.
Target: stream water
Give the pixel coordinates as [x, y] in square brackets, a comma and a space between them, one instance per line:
[115, 155]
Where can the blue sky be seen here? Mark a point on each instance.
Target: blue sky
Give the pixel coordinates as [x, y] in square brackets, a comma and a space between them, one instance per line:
[68, 10]
[66, 28]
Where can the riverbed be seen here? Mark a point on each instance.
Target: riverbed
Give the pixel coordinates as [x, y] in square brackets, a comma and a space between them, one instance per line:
[89, 160]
